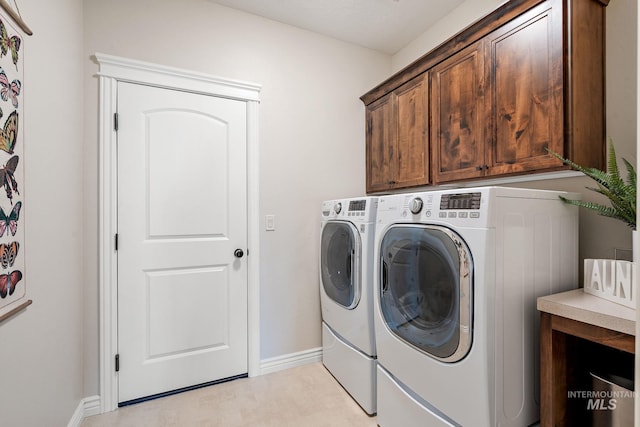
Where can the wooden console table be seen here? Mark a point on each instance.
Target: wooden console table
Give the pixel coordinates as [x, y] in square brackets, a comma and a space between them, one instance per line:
[579, 334]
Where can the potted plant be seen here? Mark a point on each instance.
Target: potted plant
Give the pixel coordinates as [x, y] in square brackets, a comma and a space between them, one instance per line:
[610, 279]
[621, 193]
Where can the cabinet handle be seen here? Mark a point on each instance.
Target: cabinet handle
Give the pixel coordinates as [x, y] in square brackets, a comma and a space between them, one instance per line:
[479, 168]
[391, 182]
[482, 167]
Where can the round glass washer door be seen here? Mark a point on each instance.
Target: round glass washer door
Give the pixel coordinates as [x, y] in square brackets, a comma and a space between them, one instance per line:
[340, 263]
[426, 278]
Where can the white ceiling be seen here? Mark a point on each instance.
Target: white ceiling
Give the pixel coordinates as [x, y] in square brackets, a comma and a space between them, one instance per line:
[383, 25]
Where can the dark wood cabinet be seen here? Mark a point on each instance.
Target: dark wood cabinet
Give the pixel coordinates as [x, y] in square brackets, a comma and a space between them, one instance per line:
[397, 137]
[457, 111]
[524, 97]
[379, 143]
[526, 78]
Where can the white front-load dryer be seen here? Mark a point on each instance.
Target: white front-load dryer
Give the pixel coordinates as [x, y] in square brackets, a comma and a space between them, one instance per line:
[457, 275]
[346, 296]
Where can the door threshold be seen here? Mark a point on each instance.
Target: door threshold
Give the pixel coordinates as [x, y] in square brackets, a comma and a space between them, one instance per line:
[179, 390]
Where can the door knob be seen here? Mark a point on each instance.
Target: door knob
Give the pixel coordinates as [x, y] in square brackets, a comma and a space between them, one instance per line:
[239, 253]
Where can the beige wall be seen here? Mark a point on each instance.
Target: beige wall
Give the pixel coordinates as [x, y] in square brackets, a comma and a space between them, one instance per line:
[599, 236]
[461, 17]
[41, 348]
[311, 137]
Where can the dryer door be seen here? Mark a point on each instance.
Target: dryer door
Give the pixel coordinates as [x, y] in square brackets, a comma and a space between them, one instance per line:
[340, 250]
[425, 290]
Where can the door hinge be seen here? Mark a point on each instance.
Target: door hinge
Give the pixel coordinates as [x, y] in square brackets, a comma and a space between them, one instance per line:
[117, 362]
[116, 241]
[115, 122]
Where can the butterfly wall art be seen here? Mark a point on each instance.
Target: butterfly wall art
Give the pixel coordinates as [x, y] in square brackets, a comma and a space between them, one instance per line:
[9, 132]
[8, 179]
[9, 89]
[14, 294]
[9, 223]
[8, 283]
[8, 254]
[9, 44]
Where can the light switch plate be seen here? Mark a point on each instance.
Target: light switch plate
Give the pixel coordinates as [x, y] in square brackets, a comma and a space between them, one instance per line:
[270, 222]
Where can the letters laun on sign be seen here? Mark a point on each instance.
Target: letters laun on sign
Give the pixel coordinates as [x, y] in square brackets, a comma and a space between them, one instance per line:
[611, 279]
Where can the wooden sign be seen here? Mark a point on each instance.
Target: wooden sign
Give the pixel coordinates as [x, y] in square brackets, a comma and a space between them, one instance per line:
[611, 279]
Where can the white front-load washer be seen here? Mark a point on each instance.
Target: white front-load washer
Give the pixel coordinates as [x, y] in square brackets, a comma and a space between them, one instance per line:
[457, 274]
[346, 296]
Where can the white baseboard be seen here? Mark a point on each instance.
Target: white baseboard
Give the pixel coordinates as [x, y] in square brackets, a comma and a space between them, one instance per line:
[291, 360]
[86, 407]
[91, 406]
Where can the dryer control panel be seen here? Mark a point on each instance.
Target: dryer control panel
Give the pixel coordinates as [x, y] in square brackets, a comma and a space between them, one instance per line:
[460, 207]
[356, 210]
[477, 207]
[464, 205]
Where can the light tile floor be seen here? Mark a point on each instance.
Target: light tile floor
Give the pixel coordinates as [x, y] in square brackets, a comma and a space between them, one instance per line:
[306, 396]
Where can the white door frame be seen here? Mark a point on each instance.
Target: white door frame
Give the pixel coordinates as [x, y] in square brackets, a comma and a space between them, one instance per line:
[111, 71]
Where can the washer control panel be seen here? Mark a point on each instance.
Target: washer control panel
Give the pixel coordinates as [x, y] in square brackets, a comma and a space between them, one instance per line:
[356, 210]
[444, 205]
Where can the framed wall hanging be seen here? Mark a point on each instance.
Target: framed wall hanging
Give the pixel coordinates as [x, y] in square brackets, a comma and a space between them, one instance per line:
[13, 279]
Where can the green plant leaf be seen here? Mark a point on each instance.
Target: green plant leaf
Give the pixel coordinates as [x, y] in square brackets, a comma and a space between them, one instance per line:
[621, 194]
[631, 174]
[612, 163]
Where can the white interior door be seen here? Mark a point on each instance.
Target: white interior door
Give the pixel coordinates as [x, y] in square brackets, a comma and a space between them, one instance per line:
[182, 213]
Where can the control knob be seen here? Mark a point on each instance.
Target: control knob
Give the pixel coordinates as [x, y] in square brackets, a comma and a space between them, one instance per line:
[415, 206]
[337, 207]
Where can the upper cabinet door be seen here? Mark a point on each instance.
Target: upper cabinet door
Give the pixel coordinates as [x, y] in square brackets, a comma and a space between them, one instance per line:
[524, 97]
[457, 116]
[380, 143]
[412, 161]
[398, 137]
